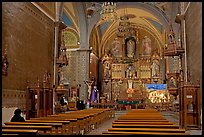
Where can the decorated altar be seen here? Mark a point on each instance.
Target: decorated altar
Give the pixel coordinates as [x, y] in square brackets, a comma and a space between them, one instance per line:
[125, 73]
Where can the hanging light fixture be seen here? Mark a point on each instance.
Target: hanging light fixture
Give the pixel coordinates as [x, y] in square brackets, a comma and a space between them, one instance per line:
[108, 11]
[125, 28]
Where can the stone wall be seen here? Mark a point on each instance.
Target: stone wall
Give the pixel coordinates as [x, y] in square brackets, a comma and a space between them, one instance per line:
[194, 42]
[193, 19]
[29, 36]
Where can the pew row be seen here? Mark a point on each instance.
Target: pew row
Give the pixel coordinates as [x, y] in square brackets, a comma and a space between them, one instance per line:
[19, 132]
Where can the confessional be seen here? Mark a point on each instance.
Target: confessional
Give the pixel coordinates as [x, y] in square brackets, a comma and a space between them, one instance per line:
[189, 106]
[39, 101]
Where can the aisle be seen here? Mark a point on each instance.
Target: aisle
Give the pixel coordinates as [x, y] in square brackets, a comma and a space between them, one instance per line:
[107, 124]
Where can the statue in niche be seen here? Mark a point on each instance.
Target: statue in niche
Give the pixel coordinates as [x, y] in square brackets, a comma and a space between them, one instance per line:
[147, 49]
[130, 43]
[115, 48]
[130, 71]
[107, 67]
[172, 83]
[155, 68]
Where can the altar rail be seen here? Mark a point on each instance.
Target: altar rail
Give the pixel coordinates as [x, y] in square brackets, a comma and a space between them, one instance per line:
[164, 106]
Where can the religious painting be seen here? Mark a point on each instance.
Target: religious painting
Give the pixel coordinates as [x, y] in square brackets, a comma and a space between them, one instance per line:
[130, 44]
[146, 44]
[116, 48]
[157, 93]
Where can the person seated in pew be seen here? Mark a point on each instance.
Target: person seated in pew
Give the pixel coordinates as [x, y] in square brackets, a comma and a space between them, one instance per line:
[17, 116]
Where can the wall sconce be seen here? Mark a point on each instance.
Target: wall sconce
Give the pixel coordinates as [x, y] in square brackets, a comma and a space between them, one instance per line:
[5, 62]
[4, 65]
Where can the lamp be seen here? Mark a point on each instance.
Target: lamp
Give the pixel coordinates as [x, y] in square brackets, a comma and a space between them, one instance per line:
[4, 64]
[108, 11]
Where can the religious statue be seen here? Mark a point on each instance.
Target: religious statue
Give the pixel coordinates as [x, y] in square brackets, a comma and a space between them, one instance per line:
[155, 69]
[63, 79]
[130, 46]
[89, 84]
[130, 71]
[94, 94]
[146, 46]
[172, 82]
[107, 67]
[130, 89]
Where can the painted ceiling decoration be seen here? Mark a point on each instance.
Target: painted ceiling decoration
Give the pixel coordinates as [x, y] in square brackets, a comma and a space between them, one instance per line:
[71, 38]
[66, 20]
[156, 24]
[105, 31]
[103, 27]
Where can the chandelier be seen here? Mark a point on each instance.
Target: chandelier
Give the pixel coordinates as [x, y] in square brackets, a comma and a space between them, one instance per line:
[108, 11]
[125, 28]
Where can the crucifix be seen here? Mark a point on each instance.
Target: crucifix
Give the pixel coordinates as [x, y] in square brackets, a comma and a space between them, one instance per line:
[89, 84]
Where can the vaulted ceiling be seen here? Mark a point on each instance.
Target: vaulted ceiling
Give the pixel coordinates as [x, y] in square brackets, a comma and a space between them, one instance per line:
[152, 17]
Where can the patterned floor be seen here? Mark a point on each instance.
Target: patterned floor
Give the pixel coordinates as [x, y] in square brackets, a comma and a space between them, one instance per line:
[171, 116]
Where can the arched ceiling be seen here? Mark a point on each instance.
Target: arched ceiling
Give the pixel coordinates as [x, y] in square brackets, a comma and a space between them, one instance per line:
[70, 11]
[140, 15]
[137, 17]
[149, 16]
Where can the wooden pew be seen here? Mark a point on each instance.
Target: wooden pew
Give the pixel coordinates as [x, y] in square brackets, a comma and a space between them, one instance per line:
[71, 128]
[144, 126]
[65, 124]
[41, 129]
[19, 132]
[144, 123]
[141, 120]
[141, 133]
[56, 127]
[83, 119]
[79, 120]
[162, 130]
[87, 118]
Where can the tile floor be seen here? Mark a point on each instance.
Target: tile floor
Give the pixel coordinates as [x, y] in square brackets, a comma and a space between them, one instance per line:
[171, 116]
